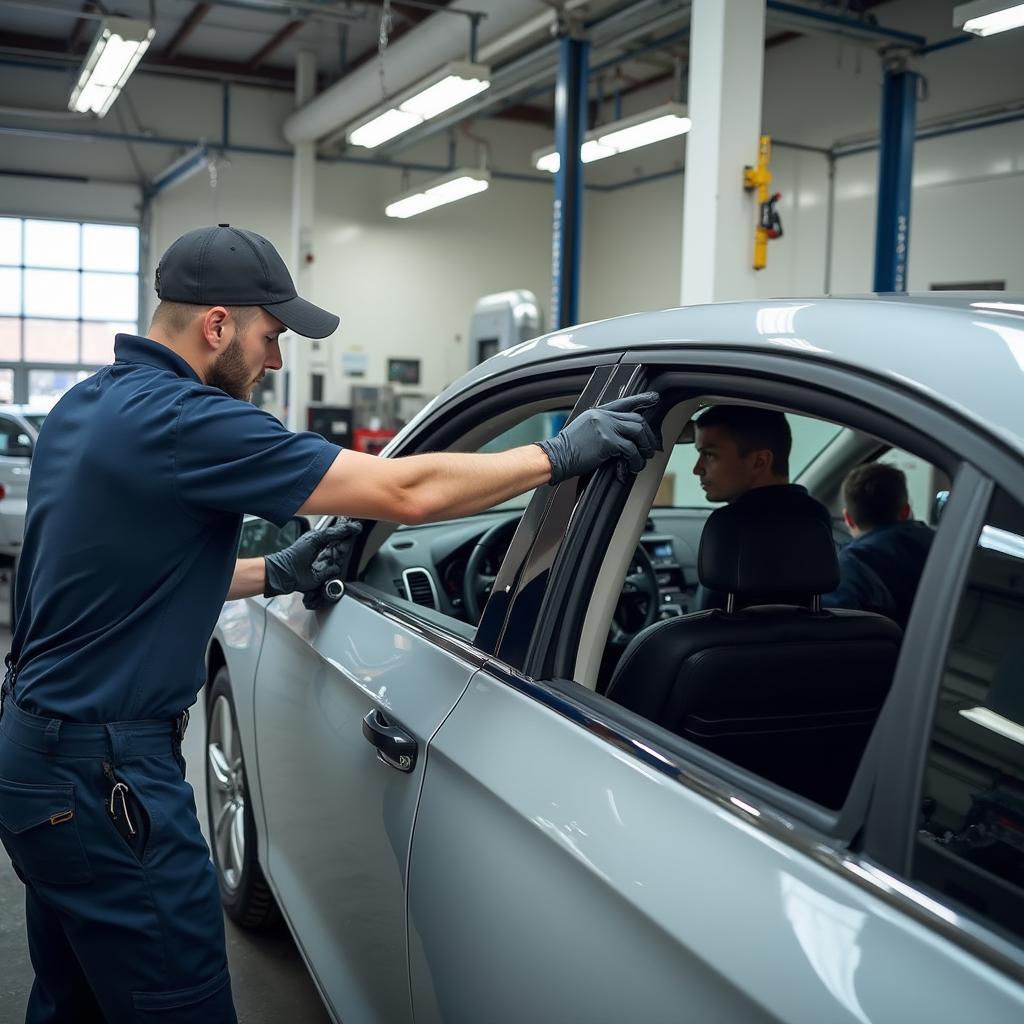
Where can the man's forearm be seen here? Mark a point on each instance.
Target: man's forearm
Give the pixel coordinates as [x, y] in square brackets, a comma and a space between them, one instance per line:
[249, 579]
[454, 484]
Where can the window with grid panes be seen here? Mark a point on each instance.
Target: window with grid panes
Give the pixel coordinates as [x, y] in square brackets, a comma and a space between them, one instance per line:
[66, 288]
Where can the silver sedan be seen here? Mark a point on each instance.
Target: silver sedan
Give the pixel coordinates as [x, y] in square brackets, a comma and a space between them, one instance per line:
[511, 773]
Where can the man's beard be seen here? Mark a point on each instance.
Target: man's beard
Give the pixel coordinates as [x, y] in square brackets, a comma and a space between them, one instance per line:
[231, 373]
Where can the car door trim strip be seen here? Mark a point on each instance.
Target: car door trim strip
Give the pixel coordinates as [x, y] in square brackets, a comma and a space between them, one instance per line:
[447, 642]
[925, 909]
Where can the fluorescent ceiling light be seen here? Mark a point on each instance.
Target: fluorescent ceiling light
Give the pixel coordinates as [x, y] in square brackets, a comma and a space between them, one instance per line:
[989, 719]
[447, 189]
[664, 122]
[987, 17]
[117, 48]
[446, 88]
[195, 160]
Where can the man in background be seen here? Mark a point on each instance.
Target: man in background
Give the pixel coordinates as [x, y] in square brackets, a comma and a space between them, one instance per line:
[881, 567]
[743, 459]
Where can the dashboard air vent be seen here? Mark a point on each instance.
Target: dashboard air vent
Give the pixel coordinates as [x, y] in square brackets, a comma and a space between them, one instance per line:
[419, 585]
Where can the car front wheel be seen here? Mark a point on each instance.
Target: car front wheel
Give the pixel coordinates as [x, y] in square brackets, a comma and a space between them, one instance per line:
[244, 892]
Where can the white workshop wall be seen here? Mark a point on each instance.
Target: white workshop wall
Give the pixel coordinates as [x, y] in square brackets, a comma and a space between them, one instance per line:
[406, 289]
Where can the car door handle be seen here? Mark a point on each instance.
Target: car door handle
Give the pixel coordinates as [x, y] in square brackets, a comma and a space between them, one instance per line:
[395, 747]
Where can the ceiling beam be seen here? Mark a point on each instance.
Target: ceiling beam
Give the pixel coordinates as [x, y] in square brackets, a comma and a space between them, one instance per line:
[26, 47]
[187, 27]
[83, 26]
[274, 43]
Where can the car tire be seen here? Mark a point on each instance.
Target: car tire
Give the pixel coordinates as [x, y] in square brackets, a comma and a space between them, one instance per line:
[244, 892]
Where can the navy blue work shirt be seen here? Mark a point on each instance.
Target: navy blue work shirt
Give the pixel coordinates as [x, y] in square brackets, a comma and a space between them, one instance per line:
[139, 483]
[879, 571]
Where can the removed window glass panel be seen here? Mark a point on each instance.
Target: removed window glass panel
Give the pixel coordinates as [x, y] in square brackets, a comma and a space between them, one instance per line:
[52, 293]
[10, 291]
[10, 240]
[110, 297]
[110, 247]
[51, 341]
[52, 243]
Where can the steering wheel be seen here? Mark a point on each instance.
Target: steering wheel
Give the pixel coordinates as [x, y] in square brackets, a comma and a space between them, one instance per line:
[637, 607]
[476, 584]
[638, 589]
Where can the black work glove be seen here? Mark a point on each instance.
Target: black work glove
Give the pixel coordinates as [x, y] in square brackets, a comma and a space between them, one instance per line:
[615, 430]
[312, 560]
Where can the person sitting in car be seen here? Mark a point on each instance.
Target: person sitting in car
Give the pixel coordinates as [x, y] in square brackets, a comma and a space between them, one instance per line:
[743, 459]
[880, 568]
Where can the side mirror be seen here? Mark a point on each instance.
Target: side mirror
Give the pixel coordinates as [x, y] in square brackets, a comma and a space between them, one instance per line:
[21, 448]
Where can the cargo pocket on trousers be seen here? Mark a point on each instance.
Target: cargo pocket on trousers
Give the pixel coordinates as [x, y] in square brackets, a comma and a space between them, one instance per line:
[209, 1003]
[40, 832]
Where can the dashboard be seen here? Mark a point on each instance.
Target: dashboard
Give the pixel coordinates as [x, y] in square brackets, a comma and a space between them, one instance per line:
[427, 564]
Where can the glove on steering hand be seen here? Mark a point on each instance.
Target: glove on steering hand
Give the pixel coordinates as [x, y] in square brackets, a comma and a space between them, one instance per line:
[312, 560]
[615, 430]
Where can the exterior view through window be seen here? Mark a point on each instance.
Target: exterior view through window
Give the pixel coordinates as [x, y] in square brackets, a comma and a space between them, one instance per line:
[66, 288]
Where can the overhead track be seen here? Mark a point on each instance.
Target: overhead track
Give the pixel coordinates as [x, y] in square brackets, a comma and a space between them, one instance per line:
[814, 19]
[541, 64]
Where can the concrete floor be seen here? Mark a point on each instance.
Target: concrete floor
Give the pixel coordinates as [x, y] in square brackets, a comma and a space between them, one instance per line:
[268, 978]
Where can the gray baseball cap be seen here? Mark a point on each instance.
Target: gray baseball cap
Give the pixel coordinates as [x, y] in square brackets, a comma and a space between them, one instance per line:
[226, 266]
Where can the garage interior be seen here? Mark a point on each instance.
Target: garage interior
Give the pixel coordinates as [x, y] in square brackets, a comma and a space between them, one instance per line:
[893, 138]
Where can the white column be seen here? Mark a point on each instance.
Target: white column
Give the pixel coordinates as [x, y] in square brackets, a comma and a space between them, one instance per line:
[303, 197]
[726, 75]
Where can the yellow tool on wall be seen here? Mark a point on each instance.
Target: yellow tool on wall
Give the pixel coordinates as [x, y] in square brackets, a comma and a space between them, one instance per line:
[769, 224]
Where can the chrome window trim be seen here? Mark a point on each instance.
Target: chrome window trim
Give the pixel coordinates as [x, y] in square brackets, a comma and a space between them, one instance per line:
[450, 643]
[967, 933]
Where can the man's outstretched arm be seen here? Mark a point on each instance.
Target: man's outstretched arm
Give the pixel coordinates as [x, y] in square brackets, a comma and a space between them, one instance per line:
[424, 488]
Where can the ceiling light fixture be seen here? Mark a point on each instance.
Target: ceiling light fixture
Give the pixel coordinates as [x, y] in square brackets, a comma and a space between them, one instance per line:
[449, 188]
[987, 17]
[664, 122]
[117, 48]
[446, 88]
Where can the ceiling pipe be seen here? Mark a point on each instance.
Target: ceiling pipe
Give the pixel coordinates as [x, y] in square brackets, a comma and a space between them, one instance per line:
[537, 67]
[419, 52]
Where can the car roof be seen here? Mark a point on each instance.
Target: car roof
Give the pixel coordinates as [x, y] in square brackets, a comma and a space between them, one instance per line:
[965, 350]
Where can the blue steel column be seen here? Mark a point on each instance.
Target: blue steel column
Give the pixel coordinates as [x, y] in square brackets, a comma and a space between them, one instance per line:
[895, 168]
[570, 127]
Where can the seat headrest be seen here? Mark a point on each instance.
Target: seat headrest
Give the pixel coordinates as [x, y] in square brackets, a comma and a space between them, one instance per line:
[785, 554]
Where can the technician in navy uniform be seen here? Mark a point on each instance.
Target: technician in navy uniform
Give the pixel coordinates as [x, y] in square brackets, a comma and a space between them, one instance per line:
[139, 482]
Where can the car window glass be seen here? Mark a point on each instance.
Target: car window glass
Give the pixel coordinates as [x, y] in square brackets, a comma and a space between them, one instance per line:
[13, 439]
[970, 839]
[681, 488]
[740, 674]
[536, 428]
[437, 565]
[35, 420]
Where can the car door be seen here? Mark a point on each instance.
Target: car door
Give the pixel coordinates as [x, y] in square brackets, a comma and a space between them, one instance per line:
[15, 463]
[347, 699]
[570, 862]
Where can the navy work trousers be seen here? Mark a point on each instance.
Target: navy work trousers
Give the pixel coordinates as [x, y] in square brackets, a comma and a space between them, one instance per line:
[121, 928]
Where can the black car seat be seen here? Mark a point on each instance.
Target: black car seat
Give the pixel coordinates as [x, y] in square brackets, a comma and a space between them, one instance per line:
[773, 683]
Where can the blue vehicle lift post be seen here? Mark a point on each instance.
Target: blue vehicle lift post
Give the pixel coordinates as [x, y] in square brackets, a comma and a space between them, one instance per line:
[570, 127]
[895, 170]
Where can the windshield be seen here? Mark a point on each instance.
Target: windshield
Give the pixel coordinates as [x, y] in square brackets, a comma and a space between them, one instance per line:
[681, 489]
[36, 420]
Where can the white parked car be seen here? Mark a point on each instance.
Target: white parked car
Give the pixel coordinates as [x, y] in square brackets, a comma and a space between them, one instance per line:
[510, 775]
[19, 429]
